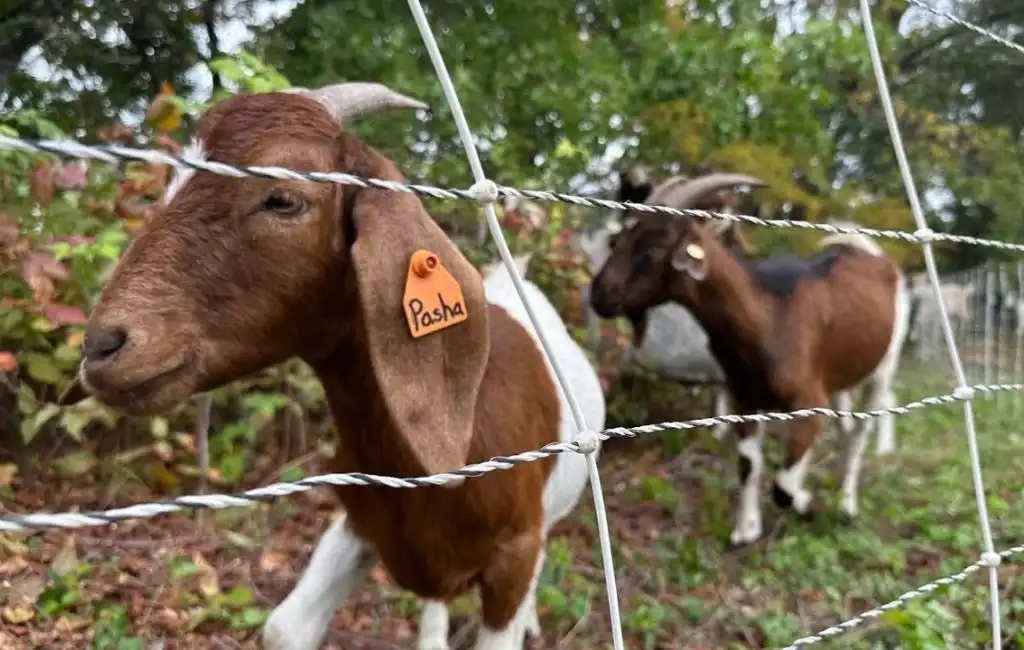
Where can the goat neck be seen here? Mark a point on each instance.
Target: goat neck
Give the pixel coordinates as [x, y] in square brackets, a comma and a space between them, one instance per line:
[728, 301]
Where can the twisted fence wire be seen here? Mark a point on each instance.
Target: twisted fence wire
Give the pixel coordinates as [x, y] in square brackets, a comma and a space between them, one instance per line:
[486, 191]
[586, 442]
[42, 520]
[968, 25]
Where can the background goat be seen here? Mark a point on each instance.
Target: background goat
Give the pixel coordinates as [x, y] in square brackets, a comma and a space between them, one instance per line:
[233, 275]
[667, 335]
[786, 331]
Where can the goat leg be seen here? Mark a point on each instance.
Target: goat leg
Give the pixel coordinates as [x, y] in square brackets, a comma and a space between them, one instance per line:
[340, 561]
[788, 491]
[507, 595]
[722, 407]
[878, 395]
[433, 626]
[751, 468]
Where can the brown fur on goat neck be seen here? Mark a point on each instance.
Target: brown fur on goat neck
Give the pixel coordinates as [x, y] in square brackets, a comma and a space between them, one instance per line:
[237, 274]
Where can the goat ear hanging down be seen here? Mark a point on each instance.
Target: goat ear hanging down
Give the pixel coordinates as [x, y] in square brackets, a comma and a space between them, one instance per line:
[429, 384]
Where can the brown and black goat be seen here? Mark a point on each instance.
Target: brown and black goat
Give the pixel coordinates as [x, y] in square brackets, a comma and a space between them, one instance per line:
[233, 275]
[787, 332]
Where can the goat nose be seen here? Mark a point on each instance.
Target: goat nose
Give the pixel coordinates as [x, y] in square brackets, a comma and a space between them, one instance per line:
[102, 343]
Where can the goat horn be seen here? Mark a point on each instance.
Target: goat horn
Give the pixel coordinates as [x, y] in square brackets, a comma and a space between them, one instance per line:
[355, 99]
[679, 193]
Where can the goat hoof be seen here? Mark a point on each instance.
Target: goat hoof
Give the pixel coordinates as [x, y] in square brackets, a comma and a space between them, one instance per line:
[285, 632]
[799, 502]
[734, 547]
[742, 537]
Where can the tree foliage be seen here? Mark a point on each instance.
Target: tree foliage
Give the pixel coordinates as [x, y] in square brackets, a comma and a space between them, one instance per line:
[556, 93]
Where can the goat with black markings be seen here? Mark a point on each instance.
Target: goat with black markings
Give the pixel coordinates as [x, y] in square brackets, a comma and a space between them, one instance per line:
[787, 332]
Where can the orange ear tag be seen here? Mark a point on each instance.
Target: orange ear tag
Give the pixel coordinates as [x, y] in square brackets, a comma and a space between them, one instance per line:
[433, 298]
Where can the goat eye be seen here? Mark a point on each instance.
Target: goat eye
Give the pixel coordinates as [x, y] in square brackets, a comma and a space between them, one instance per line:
[285, 204]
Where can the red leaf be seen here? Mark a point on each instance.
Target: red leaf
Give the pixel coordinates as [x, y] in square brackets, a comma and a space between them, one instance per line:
[159, 177]
[72, 176]
[64, 314]
[41, 263]
[8, 231]
[8, 363]
[41, 182]
[115, 131]
[129, 210]
[168, 143]
[39, 271]
[74, 240]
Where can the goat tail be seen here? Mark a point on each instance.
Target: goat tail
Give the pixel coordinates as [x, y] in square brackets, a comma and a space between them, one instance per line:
[854, 240]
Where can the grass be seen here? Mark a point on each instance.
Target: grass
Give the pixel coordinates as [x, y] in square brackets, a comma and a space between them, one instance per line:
[670, 506]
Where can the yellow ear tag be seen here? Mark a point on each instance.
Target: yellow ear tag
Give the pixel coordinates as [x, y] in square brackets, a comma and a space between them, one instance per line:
[695, 251]
[433, 298]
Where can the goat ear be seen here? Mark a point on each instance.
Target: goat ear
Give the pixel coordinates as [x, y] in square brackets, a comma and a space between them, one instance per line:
[690, 258]
[430, 383]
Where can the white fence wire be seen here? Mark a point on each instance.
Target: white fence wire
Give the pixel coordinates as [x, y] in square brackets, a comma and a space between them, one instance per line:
[992, 295]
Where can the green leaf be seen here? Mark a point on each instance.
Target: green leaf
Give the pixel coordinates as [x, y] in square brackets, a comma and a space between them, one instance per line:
[250, 617]
[159, 427]
[31, 426]
[240, 595]
[75, 464]
[42, 368]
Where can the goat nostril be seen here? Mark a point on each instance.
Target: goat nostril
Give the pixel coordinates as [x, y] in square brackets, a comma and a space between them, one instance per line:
[102, 344]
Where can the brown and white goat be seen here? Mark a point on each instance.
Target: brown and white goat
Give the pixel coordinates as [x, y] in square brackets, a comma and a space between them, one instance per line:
[233, 275]
[787, 332]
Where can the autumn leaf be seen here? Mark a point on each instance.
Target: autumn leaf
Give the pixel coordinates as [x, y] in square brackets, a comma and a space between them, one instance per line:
[163, 113]
[115, 132]
[7, 473]
[8, 362]
[75, 339]
[72, 176]
[158, 177]
[64, 314]
[74, 240]
[8, 231]
[41, 181]
[209, 586]
[40, 263]
[168, 143]
[66, 559]
[38, 270]
[18, 614]
[129, 210]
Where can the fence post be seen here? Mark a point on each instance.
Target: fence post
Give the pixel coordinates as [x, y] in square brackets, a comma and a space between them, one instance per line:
[1018, 326]
[990, 305]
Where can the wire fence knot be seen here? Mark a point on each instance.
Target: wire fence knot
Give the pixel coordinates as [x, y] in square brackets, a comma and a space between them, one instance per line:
[587, 441]
[991, 559]
[485, 191]
[924, 235]
[963, 393]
